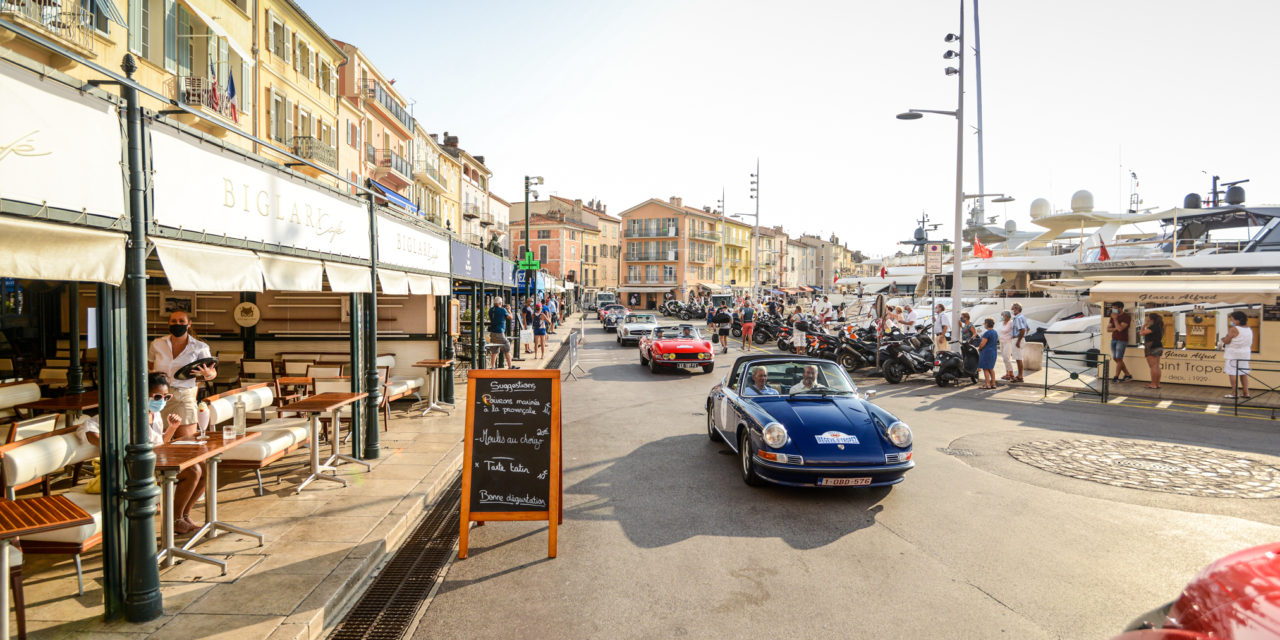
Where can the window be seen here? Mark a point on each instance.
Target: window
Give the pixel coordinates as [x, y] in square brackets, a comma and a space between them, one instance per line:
[669, 274]
[542, 253]
[523, 249]
[573, 251]
[278, 39]
[351, 133]
[544, 234]
[633, 273]
[279, 118]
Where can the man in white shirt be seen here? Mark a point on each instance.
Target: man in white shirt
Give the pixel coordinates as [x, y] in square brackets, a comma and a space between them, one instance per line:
[808, 382]
[170, 353]
[909, 320]
[941, 325]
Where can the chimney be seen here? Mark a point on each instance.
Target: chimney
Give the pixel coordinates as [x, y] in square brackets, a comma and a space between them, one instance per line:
[450, 141]
[435, 137]
[707, 209]
[678, 202]
[577, 209]
[479, 159]
[604, 208]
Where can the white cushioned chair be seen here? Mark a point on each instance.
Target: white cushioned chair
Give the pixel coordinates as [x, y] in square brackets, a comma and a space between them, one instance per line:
[16, 393]
[280, 436]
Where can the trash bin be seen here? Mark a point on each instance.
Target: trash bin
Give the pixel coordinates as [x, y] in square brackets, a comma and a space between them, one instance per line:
[1032, 355]
[1091, 358]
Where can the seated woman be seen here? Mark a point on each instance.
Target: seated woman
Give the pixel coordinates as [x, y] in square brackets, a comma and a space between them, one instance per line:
[163, 431]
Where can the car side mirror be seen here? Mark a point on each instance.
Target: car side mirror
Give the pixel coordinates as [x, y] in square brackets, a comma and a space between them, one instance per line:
[869, 394]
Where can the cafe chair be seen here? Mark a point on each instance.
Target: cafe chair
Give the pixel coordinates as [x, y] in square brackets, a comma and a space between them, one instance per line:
[27, 461]
[324, 371]
[280, 436]
[297, 368]
[6, 367]
[399, 386]
[334, 385]
[53, 378]
[253, 371]
[13, 394]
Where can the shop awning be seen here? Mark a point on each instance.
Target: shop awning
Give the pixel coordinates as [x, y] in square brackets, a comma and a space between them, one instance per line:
[393, 283]
[644, 289]
[218, 29]
[713, 288]
[191, 266]
[45, 251]
[283, 273]
[1175, 290]
[348, 278]
[441, 285]
[400, 201]
[420, 285]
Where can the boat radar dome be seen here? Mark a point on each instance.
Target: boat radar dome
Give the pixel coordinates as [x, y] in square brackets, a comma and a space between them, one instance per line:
[1010, 227]
[1040, 208]
[1191, 201]
[1235, 194]
[1081, 202]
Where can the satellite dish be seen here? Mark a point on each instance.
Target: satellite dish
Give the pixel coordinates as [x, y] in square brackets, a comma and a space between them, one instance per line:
[1040, 208]
[1010, 227]
[1191, 201]
[1081, 202]
[1235, 194]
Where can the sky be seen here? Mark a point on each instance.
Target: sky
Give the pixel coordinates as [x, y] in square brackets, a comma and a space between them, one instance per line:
[623, 101]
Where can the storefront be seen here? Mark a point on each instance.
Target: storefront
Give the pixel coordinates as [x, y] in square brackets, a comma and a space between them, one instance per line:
[637, 297]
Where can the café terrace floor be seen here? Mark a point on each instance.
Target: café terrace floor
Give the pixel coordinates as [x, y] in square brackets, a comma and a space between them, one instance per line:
[322, 546]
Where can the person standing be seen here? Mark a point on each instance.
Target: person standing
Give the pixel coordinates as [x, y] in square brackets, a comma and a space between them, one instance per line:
[723, 322]
[1238, 348]
[748, 323]
[498, 318]
[1153, 346]
[1020, 329]
[941, 325]
[526, 316]
[1118, 326]
[553, 310]
[541, 320]
[1004, 331]
[909, 320]
[987, 354]
[170, 353]
[967, 330]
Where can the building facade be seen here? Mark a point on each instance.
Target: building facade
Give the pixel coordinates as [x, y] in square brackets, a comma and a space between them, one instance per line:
[499, 232]
[669, 250]
[384, 130]
[605, 258]
[556, 242]
[769, 252]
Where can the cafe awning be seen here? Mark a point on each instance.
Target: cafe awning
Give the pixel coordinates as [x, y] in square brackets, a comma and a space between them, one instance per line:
[644, 289]
[46, 251]
[348, 278]
[393, 283]
[190, 266]
[420, 285]
[1184, 289]
[391, 196]
[283, 273]
[441, 285]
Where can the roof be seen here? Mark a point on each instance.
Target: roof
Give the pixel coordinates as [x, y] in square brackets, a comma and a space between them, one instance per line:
[586, 208]
[498, 198]
[312, 23]
[385, 81]
[680, 209]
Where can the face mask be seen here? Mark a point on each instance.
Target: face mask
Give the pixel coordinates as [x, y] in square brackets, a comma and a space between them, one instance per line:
[155, 406]
[177, 330]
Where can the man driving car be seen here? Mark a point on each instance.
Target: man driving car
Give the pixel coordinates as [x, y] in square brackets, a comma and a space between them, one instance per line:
[808, 382]
[759, 384]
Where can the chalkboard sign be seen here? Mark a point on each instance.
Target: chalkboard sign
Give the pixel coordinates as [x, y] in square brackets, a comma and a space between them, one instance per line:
[1271, 312]
[511, 465]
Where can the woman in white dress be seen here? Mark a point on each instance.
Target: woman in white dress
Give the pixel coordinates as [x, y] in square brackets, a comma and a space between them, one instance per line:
[1238, 348]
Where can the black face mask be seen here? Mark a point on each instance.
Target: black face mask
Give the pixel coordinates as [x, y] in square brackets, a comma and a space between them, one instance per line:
[177, 330]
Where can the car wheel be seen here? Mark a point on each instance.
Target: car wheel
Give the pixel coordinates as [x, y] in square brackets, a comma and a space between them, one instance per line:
[748, 465]
[709, 368]
[653, 366]
[892, 372]
[711, 424]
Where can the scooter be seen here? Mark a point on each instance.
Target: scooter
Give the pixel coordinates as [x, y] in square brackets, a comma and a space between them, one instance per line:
[950, 366]
[906, 357]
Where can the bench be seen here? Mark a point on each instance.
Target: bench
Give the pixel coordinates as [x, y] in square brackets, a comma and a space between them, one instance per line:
[398, 387]
[280, 436]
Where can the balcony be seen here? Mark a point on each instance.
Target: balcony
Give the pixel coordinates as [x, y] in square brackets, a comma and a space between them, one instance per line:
[709, 236]
[474, 239]
[205, 93]
[471, 210]
[69, 22]
[312, 148]
[486, 219]
[736, 242]
[651, 281]
[427, 173]
[372, 91]
[700, 258]
[653, 256]
[664, 232]
[392, 168]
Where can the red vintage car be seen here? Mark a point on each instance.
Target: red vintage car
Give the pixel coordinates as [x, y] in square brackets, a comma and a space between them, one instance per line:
[1235, 598]
[676, 348]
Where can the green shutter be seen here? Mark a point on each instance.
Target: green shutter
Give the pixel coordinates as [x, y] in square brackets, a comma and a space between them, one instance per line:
[135, 26]
[170, 36]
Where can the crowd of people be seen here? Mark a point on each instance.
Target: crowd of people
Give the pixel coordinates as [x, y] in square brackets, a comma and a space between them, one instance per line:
[541, 316]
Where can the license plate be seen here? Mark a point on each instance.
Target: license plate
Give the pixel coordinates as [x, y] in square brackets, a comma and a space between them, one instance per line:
[689, 365]
[844, 482]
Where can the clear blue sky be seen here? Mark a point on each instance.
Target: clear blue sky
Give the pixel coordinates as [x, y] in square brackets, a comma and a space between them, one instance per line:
[623, 101]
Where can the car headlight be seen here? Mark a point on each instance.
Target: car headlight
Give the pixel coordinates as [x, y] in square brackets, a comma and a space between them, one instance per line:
[900, 434]
[704, 356]
[775, 435]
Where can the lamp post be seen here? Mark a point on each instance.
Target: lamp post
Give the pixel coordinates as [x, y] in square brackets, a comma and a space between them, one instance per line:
[724, 228]
[529, 181]
[958, 114]
[755, 230]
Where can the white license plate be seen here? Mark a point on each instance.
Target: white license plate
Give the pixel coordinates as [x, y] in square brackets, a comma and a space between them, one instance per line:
[844, 482]
[689, 365]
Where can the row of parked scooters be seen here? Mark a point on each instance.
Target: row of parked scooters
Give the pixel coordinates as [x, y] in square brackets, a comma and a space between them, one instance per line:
[897, 354]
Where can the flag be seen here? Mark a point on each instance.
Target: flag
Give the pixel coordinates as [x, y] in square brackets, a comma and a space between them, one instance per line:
[980, 250]
[213, 90]
[883, 272]
[1103, 255]
[231, 96]
[834, 278]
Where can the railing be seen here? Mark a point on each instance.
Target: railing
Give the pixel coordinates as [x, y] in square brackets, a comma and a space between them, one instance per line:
[653, 256]
[426, 168]
[701, 258]
[206, 93]
[1087, 372]
[486, 219]
[665, 232]
[388, 159]
[372, 90]
[651, 281]
[470, 210]
[705, 235]
[67, 22]
[312, 148]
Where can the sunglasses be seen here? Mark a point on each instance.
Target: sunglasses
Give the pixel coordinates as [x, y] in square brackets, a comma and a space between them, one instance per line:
[162, 397]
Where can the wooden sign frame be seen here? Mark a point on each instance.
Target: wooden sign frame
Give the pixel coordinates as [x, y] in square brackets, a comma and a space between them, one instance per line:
[555, 500]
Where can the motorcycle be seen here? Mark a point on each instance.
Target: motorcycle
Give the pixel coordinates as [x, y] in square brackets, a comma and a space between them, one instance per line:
[905, 357]
[766, 330]
[951, 366]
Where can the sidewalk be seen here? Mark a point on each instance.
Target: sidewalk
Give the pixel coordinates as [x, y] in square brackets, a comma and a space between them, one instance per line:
[322, 547]
[1137, 389]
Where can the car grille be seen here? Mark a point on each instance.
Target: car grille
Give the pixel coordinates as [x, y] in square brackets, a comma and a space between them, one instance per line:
[638, 332]
[895, 458]
[687, 356]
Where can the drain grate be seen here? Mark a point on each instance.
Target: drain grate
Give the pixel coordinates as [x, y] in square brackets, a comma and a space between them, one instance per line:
[392, 604]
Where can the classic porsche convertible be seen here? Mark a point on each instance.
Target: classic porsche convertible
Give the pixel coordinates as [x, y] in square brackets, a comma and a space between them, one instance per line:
[676, 348]
[800, 421]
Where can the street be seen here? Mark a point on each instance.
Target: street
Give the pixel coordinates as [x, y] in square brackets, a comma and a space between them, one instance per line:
[989, 536]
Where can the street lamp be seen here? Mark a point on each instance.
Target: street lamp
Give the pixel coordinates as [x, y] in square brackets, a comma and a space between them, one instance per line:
[957, 256]
[753, 252]
[529, 181]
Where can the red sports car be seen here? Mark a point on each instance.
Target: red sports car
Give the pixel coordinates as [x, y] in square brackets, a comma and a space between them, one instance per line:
[1235, 598]
[678, 348]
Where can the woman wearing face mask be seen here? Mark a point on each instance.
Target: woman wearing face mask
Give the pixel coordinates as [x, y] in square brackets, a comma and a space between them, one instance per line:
[170, 353]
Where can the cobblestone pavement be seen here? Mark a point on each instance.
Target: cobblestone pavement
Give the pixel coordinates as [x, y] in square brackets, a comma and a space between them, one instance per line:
[1154, 466]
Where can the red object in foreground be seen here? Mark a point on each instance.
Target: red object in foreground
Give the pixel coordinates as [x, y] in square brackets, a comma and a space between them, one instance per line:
[1235, 598]
[667, 347]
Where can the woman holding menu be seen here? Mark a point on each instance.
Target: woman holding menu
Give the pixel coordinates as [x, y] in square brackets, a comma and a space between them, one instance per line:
[170, 353]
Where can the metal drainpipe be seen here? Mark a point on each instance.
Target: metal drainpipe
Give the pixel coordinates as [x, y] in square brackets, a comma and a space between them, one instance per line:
[372, 384]
[142, 599]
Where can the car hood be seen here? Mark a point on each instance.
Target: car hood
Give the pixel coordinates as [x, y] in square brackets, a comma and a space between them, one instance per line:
[679, 345]
[818, 427]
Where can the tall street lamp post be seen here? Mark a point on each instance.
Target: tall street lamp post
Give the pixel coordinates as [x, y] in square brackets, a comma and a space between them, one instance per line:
[755, 230]
[529, 181]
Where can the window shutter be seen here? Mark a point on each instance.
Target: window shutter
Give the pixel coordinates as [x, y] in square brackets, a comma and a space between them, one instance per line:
[297, 58]
[170, 36]
[135, 26]
[311, 68]
[288, 122]
[243, 91]
[272, 115]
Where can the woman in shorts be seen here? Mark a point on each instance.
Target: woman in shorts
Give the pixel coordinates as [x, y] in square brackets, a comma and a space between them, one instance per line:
[1153, 345]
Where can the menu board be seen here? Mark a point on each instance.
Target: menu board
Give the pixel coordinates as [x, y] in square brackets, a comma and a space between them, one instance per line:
[1271, 312]
[511, 466]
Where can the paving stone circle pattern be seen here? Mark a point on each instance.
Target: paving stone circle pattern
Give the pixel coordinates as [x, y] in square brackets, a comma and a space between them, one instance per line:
[1154, 466]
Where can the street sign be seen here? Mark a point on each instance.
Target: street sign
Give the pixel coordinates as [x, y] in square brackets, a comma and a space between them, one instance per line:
[933, 259]
[529, 265]
[528, 255]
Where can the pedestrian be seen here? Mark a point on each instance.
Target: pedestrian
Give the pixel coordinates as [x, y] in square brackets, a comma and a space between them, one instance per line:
[797, 330]
[541, 320]
[526, 318]
[1237, 349]
[1153, 346]
[1118, 327]
[170, 353]
[498, 317]
[987, 354]
[909, 320]
[553, 310]
[1004, 330]
[723, 322]
[941, 325]
[967, 330]
[634, 301]
[773, 307]
[748, 323]
[1020, 329]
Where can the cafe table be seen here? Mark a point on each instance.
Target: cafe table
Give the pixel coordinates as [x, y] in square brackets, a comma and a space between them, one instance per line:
[432, 402]
[172, 459]
[72, 404]
[23, 518]
[320, 403]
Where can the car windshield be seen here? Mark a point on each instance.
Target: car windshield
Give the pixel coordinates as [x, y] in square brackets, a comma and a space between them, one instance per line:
[674, 333]
[641, 318]
[797, 378]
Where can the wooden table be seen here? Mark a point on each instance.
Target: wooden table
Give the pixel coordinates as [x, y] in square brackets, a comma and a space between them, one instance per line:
[71, 404]
[25, 517]
[331, 403]
[433, 368]
[172, 459]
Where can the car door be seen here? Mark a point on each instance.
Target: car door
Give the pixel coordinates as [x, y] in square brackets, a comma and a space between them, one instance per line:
[726, 415]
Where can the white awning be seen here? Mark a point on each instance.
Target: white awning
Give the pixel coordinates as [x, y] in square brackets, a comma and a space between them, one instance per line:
[645, 289]
[393, 283]
[190, 266]
[420, 285]
[348, 278]
[442, 286]
[46, 251]
[284, 273]
[217, 29]
[1183, 289]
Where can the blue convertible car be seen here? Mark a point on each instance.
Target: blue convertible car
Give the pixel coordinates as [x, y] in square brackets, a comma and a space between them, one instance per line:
[800, 421]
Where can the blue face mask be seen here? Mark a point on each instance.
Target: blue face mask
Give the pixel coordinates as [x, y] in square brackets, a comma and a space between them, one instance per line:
[156, 406]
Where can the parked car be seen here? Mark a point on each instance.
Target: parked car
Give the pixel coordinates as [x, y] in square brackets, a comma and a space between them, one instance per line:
[800, 421]
[606, 309]
[636, 326]
[1234, 598]
[679, 347]
[613, 317]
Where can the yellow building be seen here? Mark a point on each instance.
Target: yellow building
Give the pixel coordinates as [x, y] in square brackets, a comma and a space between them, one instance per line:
[451, 198]
[430, 189]
[734, 259]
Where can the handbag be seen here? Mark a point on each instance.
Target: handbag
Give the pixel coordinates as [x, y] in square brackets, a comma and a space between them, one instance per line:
[526, 335]
[715, 338]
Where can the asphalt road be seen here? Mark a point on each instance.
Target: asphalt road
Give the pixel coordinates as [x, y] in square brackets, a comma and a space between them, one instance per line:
[662, 539]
